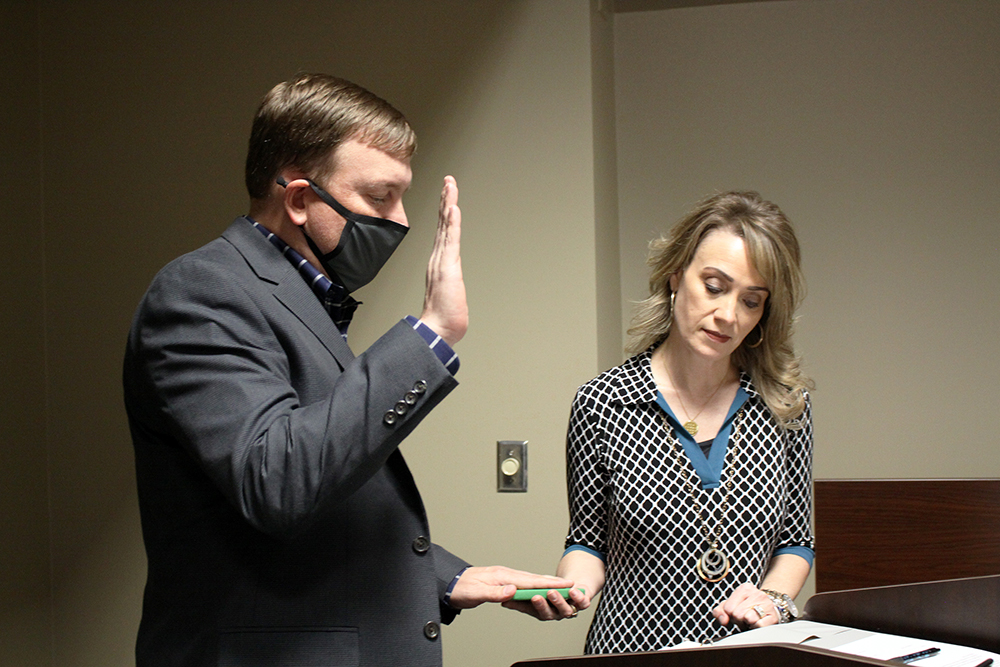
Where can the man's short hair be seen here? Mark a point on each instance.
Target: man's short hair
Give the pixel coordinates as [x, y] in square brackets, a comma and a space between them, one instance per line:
[300, 122]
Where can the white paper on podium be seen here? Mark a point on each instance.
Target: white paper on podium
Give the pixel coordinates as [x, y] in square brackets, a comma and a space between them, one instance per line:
[857, 642]
[887, 647]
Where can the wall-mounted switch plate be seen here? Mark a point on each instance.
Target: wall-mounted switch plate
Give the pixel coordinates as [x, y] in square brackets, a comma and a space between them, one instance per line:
[512, 465]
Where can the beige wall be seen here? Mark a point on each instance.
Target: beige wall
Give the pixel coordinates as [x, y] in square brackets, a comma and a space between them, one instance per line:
[522, 151]
[872, 124]
[132, 118]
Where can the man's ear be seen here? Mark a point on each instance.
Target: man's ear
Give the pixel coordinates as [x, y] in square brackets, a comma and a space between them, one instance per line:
[295, 200]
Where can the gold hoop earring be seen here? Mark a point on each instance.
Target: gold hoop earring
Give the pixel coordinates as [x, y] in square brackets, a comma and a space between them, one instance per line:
[757, 344]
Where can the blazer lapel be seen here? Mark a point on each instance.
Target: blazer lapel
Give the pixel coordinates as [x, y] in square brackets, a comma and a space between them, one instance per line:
[290, 289]
[294, 294]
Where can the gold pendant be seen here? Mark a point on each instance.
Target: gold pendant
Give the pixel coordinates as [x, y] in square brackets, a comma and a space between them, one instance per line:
[691, 427]
[713, 565]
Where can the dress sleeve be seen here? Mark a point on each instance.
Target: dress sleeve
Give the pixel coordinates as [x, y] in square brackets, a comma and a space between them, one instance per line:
[586, 477]
[797, 531]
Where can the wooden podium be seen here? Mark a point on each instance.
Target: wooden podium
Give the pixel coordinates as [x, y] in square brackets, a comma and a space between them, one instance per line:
[871, 533]
[957, 611]
[758, 655]
[882, 532]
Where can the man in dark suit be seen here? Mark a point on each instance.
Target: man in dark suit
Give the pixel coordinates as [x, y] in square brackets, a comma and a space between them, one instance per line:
[281, 524]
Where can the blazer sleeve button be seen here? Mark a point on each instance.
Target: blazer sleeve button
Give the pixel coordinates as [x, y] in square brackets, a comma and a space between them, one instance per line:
[432, 630]
[410, 397]
[401, 408]
[419, 387]
[390, 417]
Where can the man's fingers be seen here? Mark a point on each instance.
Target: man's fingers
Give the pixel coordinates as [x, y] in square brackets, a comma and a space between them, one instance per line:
[449, 198]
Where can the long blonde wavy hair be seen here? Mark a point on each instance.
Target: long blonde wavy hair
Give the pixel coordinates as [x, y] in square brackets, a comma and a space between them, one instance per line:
[774, 252]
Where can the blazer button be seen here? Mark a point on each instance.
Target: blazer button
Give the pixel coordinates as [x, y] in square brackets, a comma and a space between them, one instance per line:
[390, 417]
[431, 630]
[410, 397]
[401, 408]
[419, 387]
[421, 544]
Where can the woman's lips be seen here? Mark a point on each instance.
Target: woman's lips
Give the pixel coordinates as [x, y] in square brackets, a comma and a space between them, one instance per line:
[716, 336]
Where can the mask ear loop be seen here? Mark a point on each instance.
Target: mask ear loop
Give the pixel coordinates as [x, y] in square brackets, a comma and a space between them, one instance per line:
[336, 206]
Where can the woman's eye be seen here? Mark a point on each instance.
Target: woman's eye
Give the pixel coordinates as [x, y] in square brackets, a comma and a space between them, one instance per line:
[713, 289]
[752, 303]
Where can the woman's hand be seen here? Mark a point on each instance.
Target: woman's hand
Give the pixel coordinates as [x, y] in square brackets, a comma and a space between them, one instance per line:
[748, 607]
[587, 573]
[787, 573]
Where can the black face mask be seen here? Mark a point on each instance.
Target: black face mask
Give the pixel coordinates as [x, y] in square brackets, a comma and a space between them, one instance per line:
[365, 245]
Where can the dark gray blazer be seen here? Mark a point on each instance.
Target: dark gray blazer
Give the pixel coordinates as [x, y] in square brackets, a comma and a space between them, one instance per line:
[281, 524]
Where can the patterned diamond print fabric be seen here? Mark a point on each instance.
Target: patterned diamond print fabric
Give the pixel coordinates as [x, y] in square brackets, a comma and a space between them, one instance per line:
[628, 501]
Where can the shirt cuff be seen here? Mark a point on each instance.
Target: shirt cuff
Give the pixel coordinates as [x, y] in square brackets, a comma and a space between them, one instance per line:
[451, 586]
[436, 343]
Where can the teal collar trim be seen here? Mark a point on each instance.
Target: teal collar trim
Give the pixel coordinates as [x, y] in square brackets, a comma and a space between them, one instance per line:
[709, 469]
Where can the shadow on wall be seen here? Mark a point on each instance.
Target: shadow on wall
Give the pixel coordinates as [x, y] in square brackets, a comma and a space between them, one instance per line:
[145, 112]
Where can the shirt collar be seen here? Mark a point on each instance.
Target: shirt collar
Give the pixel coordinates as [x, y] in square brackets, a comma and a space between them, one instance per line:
[335, 298]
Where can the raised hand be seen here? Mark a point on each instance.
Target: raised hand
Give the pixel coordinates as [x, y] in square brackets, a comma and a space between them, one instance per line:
[445, 308]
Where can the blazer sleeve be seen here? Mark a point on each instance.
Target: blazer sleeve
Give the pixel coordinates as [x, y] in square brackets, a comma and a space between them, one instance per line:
[233, 377]
[447, 566]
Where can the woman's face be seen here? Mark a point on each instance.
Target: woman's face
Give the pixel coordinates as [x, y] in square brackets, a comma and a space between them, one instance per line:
[720, 297]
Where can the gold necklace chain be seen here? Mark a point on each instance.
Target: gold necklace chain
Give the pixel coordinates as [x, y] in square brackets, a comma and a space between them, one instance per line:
[691, 426]
[713, 565]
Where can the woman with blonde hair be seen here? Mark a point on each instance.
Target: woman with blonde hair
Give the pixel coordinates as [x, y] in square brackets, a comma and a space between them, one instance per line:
[690, 465]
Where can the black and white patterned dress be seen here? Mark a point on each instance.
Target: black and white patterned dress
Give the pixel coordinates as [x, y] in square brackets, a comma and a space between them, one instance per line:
[629, 502]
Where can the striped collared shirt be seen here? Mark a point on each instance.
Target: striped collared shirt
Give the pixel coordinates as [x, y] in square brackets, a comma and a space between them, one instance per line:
[335, 299]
